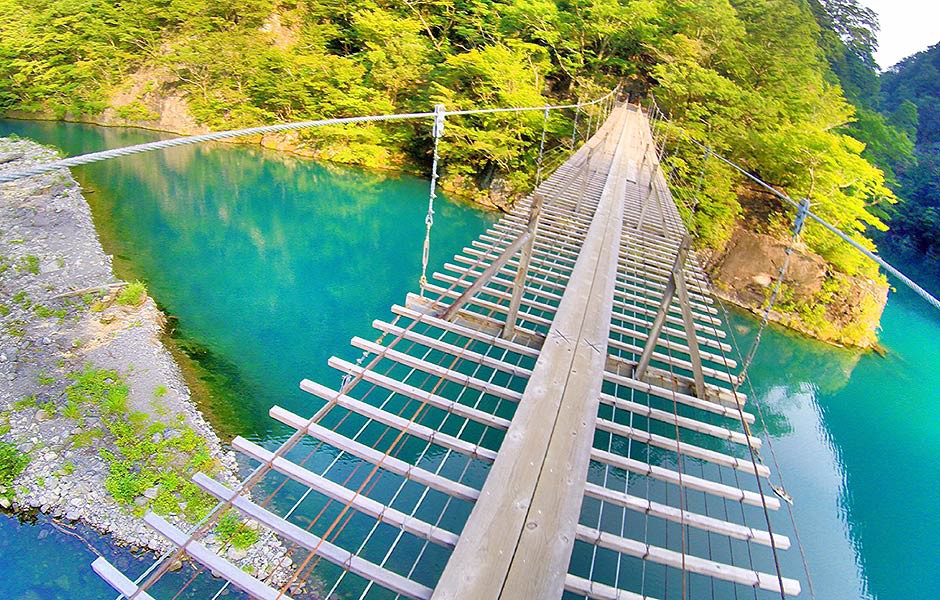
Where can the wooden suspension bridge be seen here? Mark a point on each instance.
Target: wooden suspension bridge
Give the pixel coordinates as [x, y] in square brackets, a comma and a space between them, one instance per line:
[556, 415]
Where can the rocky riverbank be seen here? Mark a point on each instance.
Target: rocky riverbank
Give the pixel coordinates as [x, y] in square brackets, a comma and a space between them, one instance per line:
[815, 299]
[96, 422]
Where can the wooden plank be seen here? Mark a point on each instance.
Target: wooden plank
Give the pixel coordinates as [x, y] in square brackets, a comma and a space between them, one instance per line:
[637, 309]
[661, 392]
[666, 443]
[518, 287]
[400, 423]
[484, 278]
[500, 293]
[467, 332]
[688, 562]
[536, 285]
[240, 579]
[118, 580]
[491, 307]
[694, 357]
[531, 498]
[437, 370]
[722, 433]
[719, 374]
[689, 481]
[376, 457]
[455, 351]
[335, 491]
[627, 347]
[623, 318]
[626, 294]
[476, 320]
[451, 406]
[314, 543]
[676, 515]
[598, 591]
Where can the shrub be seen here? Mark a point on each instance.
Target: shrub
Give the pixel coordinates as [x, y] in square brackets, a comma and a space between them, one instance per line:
[132, 294]
[12, 463]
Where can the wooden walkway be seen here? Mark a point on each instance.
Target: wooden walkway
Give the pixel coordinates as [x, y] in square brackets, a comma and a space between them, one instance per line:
[553, 416]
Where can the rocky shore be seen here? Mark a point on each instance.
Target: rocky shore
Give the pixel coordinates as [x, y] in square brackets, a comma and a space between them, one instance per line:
[96, 422]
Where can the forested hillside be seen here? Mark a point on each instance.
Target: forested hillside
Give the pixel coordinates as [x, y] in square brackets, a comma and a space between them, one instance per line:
[779, 86]
[910, 94]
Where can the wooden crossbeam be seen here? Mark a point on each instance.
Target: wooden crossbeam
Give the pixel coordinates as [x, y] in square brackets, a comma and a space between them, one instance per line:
[693, 564]
[685, 517]
[684, 480]
[400, 423]
[316, 544]
[337, 492]
[376, 457]
[240, 579]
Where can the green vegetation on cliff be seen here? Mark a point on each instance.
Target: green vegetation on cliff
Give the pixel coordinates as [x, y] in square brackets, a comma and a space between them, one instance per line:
[764, 82]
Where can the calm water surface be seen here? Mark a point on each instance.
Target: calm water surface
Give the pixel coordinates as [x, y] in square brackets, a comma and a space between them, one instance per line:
[271, 263]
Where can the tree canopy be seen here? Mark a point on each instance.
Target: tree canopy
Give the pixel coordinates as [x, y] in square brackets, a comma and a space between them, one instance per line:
[779, 86]
[910, 95]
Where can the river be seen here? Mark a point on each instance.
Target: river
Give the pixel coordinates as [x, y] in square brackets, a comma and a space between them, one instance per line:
[269, 264]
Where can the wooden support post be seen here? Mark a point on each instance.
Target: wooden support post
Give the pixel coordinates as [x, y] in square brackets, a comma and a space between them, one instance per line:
[486, 276]
[518, 283]
[676, 284]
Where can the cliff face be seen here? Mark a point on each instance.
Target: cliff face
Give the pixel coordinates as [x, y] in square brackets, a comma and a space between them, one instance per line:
[814, 299]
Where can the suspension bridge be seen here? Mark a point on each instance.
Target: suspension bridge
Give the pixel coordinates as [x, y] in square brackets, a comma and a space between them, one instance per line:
[554, 414]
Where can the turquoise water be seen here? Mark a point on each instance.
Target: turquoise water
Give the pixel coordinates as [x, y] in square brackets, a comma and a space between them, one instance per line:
[270, 264]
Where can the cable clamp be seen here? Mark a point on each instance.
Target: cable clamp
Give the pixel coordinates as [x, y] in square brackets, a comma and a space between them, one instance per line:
[801, 214]
[439, 114]
[779, 492]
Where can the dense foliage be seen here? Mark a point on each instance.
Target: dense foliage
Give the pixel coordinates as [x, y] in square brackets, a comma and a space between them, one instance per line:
[910, 94]
[757, 80]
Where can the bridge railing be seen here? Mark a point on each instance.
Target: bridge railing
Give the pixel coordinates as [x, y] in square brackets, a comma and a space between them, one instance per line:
[603, 103]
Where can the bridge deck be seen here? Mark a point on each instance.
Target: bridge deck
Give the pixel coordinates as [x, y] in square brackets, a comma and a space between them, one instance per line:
[503, 437]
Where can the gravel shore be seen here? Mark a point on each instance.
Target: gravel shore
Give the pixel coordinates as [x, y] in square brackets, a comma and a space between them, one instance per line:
[60, 315]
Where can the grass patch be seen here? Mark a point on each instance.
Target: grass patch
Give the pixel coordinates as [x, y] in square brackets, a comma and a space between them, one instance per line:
[103, 388]
[159, 392]
[72, 410]
[140, 460]
[16, 328]
[12, 463]
[50, 408]
[28, 263]
[27, 402]
[42, 311]
[132, 294]
[23, 299]
[4, 310]
[86, 438]
[231, 529]
[44, 379]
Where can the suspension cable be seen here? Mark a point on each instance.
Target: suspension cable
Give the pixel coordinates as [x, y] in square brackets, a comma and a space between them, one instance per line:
[538, 170]
[910, 283]
[437, 132]
[93, 157]
[798, 223]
